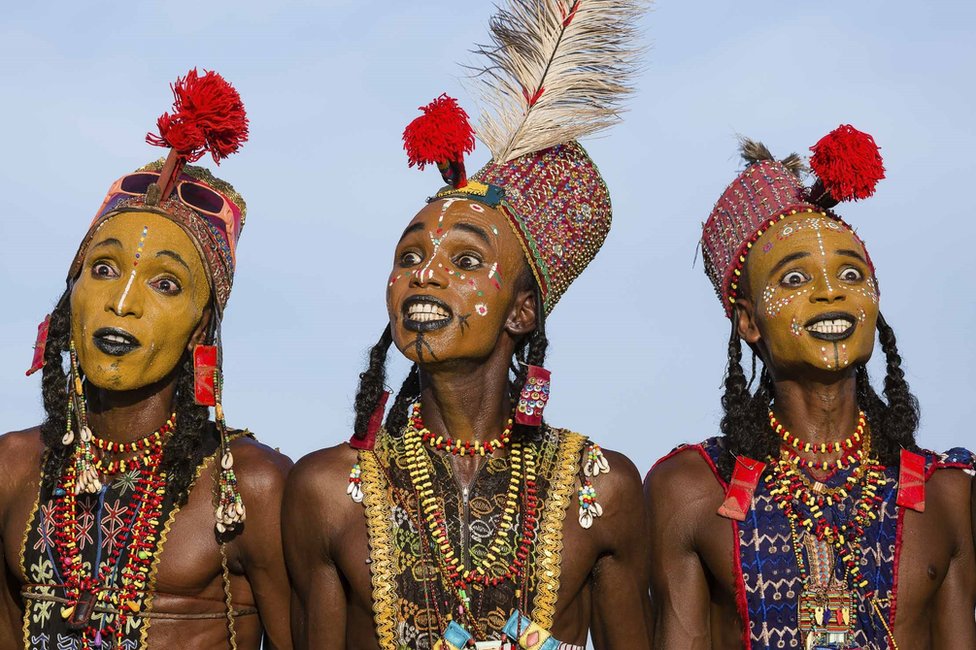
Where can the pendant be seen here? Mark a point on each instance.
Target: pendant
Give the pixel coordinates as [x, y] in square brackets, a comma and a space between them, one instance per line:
[80, 615]
[528, 634]
[455, 637]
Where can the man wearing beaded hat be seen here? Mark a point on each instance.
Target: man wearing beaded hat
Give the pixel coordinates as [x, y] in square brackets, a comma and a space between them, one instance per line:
[454, 533]
[815, 521]
[108, 534]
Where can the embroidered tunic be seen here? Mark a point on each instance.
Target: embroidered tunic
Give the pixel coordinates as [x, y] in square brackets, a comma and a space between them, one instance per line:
[409, 595]
[104, 523]
[768, 581]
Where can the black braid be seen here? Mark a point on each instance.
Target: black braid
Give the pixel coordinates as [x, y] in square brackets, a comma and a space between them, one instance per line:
[372, 383]
[185, 449]
[54, 391]
[901, 416]
[409, 391]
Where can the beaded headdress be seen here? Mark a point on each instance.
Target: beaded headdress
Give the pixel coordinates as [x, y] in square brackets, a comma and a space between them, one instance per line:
[847, 166]
[556, 71]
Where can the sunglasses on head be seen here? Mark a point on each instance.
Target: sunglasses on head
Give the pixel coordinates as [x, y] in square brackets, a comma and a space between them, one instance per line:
[194, 195]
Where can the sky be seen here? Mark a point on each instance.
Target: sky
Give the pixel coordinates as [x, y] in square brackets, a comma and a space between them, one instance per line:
[638, 344]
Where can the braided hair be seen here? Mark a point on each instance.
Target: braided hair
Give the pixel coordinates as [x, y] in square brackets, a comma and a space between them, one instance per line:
[183, 452]
[745, 424]
[531, 350]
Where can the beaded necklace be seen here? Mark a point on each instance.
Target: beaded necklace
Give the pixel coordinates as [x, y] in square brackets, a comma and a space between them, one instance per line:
[458, 447]
[85, 591]
[794, 444]
[145, 443]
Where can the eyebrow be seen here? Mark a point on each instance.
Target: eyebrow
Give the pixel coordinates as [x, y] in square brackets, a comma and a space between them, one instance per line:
[175, 256]
[786, 260]
[476, 230]
[111, 241]
[414, 227]
[852, 253]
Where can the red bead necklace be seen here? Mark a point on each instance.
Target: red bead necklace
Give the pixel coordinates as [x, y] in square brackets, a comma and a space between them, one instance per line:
[458, 447]
[148, 442]
[852, 444]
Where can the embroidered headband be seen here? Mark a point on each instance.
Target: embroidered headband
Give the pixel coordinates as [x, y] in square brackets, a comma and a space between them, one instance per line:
[847, 165]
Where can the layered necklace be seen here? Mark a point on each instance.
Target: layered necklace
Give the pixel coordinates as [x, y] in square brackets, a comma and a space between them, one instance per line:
[521, 498]
[827, 610]
[86, 589]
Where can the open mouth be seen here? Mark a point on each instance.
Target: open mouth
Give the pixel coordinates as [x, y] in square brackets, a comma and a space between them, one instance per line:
[114, 341]
[835, 326]
[425, 313]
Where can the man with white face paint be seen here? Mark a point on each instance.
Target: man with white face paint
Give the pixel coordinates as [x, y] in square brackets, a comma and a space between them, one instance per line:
[815, 521]
[122, 517]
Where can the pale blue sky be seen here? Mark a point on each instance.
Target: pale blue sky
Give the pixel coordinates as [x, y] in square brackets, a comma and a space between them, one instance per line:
[638, 343]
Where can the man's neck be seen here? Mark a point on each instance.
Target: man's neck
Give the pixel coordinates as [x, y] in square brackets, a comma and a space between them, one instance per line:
[124, 416]
[469, 403]
[818, 411]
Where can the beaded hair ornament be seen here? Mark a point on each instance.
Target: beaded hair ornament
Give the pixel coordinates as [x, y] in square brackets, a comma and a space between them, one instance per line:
[208, 117]
[847, 165]
[556, 71]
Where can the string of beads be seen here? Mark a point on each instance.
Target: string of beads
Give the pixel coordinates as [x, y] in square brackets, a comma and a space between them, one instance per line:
[458, 447]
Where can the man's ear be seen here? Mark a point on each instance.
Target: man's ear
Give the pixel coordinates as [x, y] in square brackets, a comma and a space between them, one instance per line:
[523, 317]
[199, 335]
[745, 321]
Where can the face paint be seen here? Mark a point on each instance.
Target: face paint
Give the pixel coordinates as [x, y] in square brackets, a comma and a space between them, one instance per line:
[454, 257]
[140, 296]
[817, 302]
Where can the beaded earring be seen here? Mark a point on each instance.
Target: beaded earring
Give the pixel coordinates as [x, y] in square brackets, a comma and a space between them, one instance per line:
[84, 460]
[533, 397]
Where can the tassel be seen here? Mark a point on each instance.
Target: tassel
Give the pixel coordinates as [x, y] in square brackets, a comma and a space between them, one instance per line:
[848, 166]
[441, 136]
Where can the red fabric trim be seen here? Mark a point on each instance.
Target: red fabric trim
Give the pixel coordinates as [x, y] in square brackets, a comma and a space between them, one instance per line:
[741, 604]
[894, 586]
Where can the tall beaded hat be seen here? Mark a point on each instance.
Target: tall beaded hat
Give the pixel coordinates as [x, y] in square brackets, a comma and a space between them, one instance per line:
[847, 166]
[556, 71]
[208, 116]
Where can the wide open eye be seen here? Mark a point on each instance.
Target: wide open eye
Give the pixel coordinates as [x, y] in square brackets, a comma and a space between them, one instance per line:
[467, 262]
[410, 258]
[166, 285]
[794, 279]
[103, 270]
[850, 274]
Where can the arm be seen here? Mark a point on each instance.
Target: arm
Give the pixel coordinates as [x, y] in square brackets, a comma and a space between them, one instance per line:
[679, 587]
[262, 480]
[620, 577]
[311, 521]
[953, 625]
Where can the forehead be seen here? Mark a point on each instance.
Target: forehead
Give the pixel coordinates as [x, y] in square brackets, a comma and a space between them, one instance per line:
[444, 213]
[817, 235]
[151, 232]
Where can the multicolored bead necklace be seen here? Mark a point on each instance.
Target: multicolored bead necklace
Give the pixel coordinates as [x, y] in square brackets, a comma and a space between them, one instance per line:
[136, 445]
[87, 591]
[148, 447]
[521, 459]
[794, 444]
[458, 447]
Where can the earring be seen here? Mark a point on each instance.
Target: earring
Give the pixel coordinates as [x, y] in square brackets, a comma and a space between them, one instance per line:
[40, 344]
[86, 476]
[533, 397]
[230, 505]
[204, 374]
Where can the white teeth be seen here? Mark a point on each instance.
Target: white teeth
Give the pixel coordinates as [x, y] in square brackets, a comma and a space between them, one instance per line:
[424, 312]
[836, 326]
[115, 338]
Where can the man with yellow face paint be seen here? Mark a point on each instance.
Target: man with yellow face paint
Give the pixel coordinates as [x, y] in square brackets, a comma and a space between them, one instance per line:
[467, 521]
[815, 521]
[108, 529]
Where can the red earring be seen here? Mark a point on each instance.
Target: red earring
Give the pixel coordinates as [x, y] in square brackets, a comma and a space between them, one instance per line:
[533, 397]
[204, 374]
[375, 422]
[39, 346]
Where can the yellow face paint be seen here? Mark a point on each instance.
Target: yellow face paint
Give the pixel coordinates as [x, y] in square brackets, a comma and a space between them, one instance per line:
[815, 298]
[141, 294]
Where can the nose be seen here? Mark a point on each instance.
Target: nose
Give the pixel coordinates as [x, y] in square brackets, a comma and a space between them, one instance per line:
[128, 301]
[431, 273]
[826, 290]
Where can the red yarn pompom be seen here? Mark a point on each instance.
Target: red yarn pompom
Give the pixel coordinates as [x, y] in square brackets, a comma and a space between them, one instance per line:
[441, 135]
[848, 163]
[208, 115]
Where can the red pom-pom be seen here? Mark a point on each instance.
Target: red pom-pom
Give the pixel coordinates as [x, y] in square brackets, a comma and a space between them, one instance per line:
[208, 115]
[441, 135]
[848, 163]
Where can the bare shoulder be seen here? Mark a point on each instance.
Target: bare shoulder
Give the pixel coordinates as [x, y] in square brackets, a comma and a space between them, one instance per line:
[322, 476]
[951, 493]
[20, 454]
[259, 467]
[682, 480]
[622, 484]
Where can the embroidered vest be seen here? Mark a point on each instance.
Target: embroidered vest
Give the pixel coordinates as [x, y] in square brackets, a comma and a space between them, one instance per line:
[103, 526]
[409, 596]
[769, 587]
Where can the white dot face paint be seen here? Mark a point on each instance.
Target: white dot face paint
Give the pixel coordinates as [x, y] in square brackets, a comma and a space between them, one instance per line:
[132, 274]
[481, 309]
